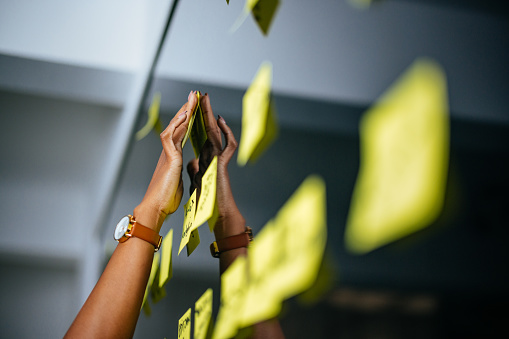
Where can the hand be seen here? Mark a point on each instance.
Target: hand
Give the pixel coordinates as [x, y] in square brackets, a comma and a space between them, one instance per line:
[230, 221]
[164, 192]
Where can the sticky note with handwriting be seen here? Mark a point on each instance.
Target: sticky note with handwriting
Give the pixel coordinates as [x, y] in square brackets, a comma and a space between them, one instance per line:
[153, 117]
[189, 212]
[207, 200]
[233, 283]
[166, 260]
[153, 271]
[202, 315]
[303, 234]
[259, 126]
[404, 148]
[184, 329]
[194, 241]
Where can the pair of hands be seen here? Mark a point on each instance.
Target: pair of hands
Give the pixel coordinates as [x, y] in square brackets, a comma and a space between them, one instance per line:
[165, 190]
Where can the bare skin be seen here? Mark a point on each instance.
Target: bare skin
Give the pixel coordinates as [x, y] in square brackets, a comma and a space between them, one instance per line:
[113, 307]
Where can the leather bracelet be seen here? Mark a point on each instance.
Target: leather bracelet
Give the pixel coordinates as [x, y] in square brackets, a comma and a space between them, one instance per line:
[232, 242]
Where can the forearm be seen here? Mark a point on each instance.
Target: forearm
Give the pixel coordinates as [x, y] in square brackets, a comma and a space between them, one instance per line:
[112, 309]
[230, 221]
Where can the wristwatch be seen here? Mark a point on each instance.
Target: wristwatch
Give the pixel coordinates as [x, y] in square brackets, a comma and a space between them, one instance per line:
[231, 243]
[127, 227]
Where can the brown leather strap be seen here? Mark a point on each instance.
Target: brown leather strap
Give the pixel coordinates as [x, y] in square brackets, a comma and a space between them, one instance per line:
[231, 243]
[147, 234]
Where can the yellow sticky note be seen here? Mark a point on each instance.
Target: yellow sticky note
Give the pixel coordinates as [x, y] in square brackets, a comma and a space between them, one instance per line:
[184, 330]
[166, 260]
[303, 234]
[202, 315]
[189, 212]
[360, 4]
[404, 152]
[205, 208]
[194, 241]
[153, 117]
[325, 282]
[196, 129]
[263, 12]
[153, 271]
[157, 293]
[191, 123]
[233, 284]
[198, 134]
[259, 126]
[261, 301]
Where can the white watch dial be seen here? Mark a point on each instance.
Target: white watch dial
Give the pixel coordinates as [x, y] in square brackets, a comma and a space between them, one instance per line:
[121, 228]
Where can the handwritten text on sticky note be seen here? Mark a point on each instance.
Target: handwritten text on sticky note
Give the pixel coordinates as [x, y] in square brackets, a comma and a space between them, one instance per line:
[189, 212]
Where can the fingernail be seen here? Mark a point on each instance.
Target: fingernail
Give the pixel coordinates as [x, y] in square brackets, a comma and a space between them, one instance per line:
[199, 93]
[189, 96]
[206, 94]
[221, 118]
[183, 113]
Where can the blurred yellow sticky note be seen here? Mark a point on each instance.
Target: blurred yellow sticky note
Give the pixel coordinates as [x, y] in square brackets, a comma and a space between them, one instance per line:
[404, 152]
[263, 12]
[184, 330]
[194, 241]
[259, 126]
[153, 117]
[207, 200]
[233, 286]
[157, 293]
[360, 4]
[202, 315]
[261, 303]
[166, 260]
[153, 271]
[189, 212]
[302, 223]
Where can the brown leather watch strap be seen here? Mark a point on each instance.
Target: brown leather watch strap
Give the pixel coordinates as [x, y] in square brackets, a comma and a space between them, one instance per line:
[147, 234]
[231, 243]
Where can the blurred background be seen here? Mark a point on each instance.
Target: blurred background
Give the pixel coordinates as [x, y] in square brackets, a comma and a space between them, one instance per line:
[71, 75]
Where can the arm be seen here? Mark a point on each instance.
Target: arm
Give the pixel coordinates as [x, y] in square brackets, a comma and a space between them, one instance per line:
[230, 221]
[113, 307]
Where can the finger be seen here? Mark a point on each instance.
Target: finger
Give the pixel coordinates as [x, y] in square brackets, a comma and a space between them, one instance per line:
[167, 135]
[192, 171]
[180, 131]
[192, 168]
[210, 122]
[192, 100]
[231, 142]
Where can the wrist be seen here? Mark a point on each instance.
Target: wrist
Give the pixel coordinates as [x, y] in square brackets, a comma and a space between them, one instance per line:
[229, 225]
[149, 216]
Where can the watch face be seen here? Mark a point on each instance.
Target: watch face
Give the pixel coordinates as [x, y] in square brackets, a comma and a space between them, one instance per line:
[121, 228]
